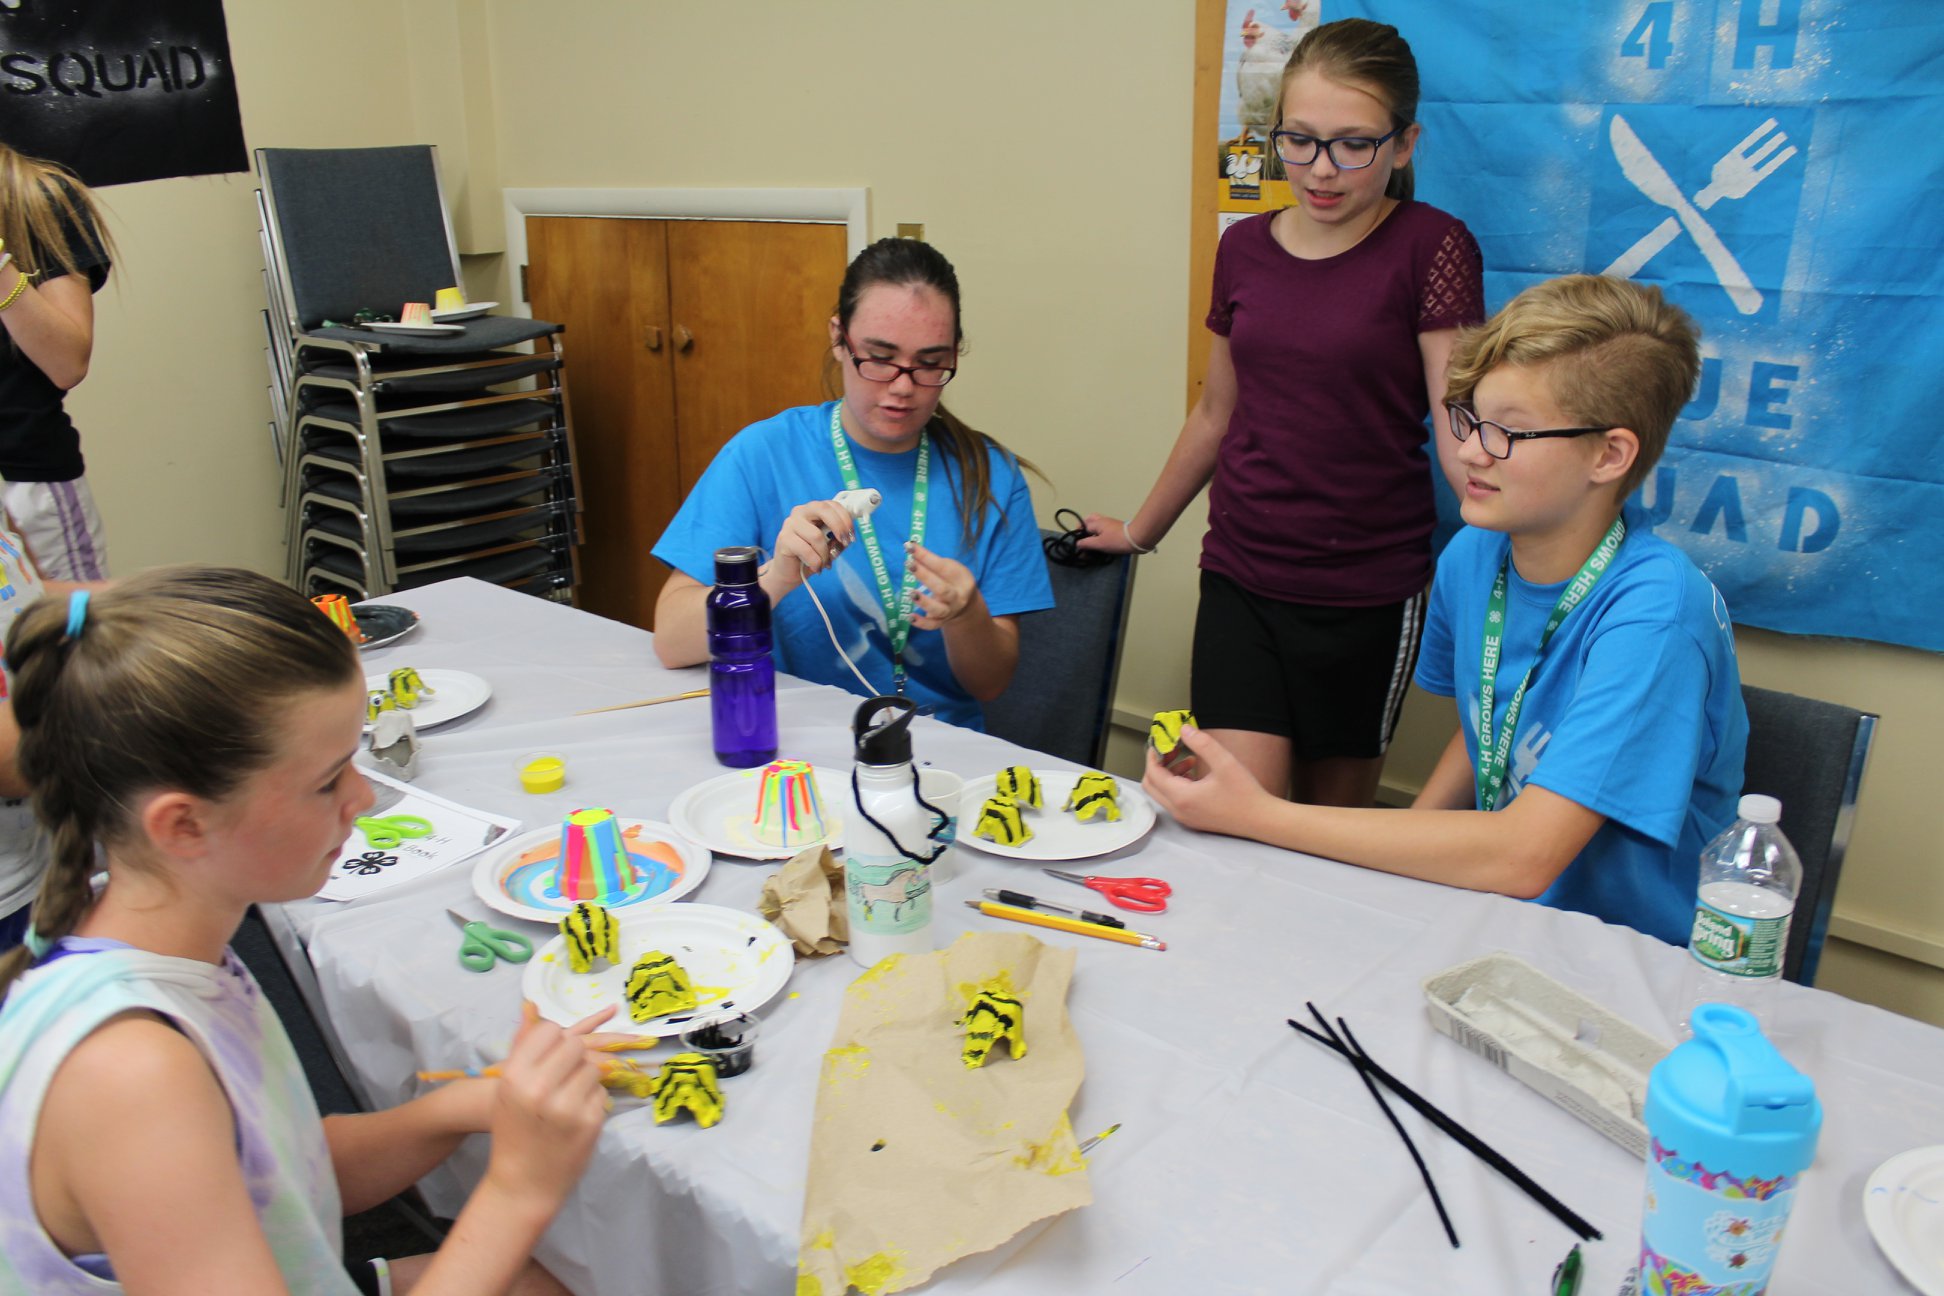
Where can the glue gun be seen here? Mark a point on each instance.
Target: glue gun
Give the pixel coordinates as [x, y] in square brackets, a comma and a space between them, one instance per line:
[858, 503]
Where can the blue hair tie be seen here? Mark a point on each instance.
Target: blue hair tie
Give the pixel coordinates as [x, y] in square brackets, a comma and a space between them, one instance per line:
[36, 944]
[77, 613]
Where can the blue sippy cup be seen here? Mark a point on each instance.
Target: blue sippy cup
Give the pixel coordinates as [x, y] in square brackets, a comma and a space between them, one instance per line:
[1732, 1126]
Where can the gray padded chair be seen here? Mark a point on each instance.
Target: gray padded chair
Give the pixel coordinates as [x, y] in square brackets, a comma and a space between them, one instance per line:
[1810, 756]
[1062, 696]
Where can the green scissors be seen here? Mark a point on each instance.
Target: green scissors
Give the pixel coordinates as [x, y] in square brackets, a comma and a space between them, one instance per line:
[387, 833]
[484, 946]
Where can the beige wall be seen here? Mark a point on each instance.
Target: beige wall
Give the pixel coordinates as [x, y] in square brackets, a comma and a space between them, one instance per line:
[1047, 159]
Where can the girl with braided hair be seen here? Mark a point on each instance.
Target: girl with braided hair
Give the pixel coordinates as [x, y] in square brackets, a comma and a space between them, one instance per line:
[189, 733]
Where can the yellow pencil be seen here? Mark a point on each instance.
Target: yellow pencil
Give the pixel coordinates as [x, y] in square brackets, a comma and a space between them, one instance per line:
[1033, 918]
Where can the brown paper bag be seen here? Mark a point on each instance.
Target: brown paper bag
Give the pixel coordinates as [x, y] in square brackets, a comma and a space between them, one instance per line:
[917, 1160]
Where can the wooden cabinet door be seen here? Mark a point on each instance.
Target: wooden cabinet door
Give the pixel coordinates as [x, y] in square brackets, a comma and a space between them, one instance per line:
[606, 280]
[679, 334]
[754, 296]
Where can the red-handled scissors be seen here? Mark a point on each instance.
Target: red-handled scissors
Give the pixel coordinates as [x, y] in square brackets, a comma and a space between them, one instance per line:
[1141, 894]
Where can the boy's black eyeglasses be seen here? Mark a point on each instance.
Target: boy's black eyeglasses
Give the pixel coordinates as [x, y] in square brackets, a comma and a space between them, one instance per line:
[1347, 152]
[884, 371]
[1497, 438]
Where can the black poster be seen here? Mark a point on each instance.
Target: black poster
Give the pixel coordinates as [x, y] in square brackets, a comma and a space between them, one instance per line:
[120, 90]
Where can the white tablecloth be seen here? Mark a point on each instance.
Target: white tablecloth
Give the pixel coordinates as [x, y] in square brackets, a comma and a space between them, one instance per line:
[1250, 1160]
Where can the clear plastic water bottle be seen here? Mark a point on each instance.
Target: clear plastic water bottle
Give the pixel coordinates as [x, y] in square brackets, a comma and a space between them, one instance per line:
[1749, 879]
[742, 675]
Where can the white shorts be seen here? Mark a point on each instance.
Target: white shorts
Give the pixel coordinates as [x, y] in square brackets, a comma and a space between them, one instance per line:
[61, 526]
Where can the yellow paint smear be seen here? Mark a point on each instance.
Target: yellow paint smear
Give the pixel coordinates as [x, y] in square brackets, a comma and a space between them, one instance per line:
[1058, 1155]
[878, 970]
[808, 1285]
[851, 1060]
[876, 1274]
[824, 1241]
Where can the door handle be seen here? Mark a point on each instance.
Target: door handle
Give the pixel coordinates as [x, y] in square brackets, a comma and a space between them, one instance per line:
[683, 338]
[652, 338]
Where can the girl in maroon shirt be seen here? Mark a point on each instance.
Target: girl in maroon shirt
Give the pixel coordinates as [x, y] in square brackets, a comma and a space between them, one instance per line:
[1333, 321]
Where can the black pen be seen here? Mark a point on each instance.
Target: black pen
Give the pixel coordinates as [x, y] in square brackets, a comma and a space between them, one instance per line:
[1020, 900]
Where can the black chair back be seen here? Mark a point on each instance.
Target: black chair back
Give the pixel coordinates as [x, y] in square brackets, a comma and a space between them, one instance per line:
[1809, 755]
[358, 228]
[1061, 700]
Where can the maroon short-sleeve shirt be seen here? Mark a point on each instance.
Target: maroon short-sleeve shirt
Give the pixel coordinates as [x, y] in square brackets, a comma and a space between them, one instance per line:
[1322, 490]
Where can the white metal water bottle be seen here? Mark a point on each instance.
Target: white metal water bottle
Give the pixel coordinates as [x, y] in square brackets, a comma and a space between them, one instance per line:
[1749, 879]
[889, 843]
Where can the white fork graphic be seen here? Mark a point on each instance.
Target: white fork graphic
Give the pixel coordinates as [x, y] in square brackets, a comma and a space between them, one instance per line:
[1735, 175]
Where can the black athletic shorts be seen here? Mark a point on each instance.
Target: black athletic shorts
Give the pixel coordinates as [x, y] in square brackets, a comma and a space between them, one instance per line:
[1330, 679]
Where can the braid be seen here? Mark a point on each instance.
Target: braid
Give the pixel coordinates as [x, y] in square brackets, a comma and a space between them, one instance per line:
[172, 682]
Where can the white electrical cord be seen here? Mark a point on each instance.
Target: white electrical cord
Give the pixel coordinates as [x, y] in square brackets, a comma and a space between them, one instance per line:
[859, 504]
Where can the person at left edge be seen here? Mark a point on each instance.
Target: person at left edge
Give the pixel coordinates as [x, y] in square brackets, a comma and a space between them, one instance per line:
[960, 498]
[55, 254]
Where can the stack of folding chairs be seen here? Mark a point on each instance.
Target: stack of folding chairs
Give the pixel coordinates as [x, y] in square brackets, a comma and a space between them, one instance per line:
[407, 458]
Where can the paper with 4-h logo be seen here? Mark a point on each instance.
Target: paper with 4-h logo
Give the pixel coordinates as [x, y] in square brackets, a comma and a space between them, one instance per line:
[406, 834]
[1772, 166]
[916, 1159]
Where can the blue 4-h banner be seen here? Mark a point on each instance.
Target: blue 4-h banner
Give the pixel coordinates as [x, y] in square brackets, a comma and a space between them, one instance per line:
[1778, 167]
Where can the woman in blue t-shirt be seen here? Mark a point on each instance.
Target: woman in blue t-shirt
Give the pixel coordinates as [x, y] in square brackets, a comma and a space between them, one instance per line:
[923, 596]
[54, 256]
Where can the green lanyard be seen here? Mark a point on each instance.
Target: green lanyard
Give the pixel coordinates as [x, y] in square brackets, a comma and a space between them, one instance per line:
[1494, 759]
[897, 607]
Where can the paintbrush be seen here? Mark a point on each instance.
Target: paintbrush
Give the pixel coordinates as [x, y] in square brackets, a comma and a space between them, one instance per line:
[647, 702]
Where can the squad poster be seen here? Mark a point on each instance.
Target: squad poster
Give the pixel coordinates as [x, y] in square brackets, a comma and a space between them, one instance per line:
[120, 90]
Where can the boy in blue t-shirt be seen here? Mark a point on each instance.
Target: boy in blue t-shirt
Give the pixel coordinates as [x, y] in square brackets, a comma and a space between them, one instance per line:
[1601, 727]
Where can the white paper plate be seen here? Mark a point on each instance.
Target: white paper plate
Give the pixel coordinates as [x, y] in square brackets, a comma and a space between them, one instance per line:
[1903, 1203]
[736, 961]
[512, 878]
[1057, 835]
[460, 693]
[472, 310]
[413, 328]
[718, 812]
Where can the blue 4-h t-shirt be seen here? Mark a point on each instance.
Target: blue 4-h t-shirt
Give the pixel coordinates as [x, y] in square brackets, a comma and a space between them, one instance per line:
[1636, 713]
[769, 468]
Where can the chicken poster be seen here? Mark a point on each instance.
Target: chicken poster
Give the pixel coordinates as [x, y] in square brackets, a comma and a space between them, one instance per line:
[1772, 165]
[1255, 44]
[121, 90]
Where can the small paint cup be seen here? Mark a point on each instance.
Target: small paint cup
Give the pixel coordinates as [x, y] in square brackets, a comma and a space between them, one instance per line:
[730, 1045]
[449, 299]
[941, 787]
[542, 772]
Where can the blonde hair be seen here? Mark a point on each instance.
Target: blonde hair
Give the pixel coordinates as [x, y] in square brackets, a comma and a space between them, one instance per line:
[176, 679]
[1613, 353]
[38, 202]
[1372, 56]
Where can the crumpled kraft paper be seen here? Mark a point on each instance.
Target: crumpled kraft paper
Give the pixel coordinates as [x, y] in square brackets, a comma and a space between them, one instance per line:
[917, 1161]
[806, 899]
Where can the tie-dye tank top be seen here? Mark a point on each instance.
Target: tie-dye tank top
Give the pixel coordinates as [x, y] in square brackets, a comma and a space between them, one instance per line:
[279, 1136]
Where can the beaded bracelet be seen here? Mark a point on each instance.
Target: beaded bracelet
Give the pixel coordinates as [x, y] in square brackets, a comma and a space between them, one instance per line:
[20, 286]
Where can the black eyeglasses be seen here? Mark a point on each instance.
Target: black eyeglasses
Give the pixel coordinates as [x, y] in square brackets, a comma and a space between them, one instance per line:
[1347, 152]
[884, 371]
[1496, 437]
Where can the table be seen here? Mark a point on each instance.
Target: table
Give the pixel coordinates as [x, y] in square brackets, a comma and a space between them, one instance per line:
[1250, 1160]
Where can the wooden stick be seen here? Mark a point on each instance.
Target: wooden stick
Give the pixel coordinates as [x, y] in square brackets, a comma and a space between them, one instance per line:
[1470, 1141]
[647, 702]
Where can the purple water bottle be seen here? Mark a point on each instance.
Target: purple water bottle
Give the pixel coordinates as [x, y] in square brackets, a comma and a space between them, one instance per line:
[742, 677]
